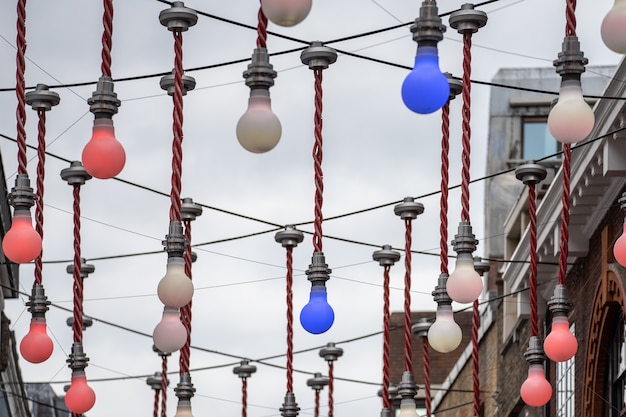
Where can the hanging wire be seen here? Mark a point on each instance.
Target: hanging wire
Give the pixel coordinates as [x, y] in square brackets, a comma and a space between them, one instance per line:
[386, 339]
[107, 38]
[466, 112]
[163, 383]
[177, 143]
[77, 326]
[317, 163]
[289, 302]
[331, 388]
[244, 397]
[408, 338]
[426, 356]
[185, 311]
[41, 160]
[261, 29]
[20, 87]
[443, 200]
[532, 214]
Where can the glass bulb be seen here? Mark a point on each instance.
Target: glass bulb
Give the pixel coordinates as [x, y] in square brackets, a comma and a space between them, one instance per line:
[571, 119]
[425, 89]
[103, 156]
[175, 289]
[560, 344]
[317, 316]
[536, 391]
[259, 130]
[619, 248]
[36, 346]
[444, 334]
[464, 284]
[407, 408]
[80, 397]
[183, 410]
[170, 334]
[613, 28]
[286, 12]
[22, 243]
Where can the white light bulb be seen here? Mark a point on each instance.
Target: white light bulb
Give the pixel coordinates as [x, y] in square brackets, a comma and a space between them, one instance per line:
[259, 130]
[183, 410]
[407, 408]
[175, 289]
[571, 119]
[613, 29]
[465, 284]
[286, 12]
[444, 334]
[170, 334]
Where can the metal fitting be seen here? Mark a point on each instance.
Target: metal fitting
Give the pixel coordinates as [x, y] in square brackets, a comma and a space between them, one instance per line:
[318, 382]
[38, 302]
[289, 238]
[571, 60]
[155, 381]
[87, 322]
[318, 56]
[464, 240]
[184, 389]
[103, 102]
[456, 85]
[77, 360]
[290, 407]
[168, 84]
[41, 98]
[407, 388]
[189, 210]
[428, 28]
[386, 256]
[440, 295]
[75, 174]
[467, 19]
[175, 242]
[421, 327]
[160, 353]
[22, 195]
[408, 209]
[244, 370]
[178, 17]
[318, 272]
[260, 73]
[481, 267]
[85, 268]
[559, 304]
[530, 173]
[331, 352]
[534, 354]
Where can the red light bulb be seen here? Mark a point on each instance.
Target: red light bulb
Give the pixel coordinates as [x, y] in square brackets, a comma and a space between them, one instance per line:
[22, 243]
[560, 345]
[36, 346]
[103, 156]
[80, 397]
[619, 248]
[536, 391]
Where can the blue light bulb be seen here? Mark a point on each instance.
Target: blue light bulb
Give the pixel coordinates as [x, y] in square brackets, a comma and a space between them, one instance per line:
[317, 316]
[425, 89]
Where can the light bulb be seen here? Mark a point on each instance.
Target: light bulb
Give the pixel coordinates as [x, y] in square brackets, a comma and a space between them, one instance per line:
[286, 12]
[170, 334]
[613, 28]
[259, 130]
[80, 397]
[317, 316]
[22, 243]
[560, 344]
[444, 335]
[571, 119]
[619, 248]
[36, 346]
[425, 89]
[536, 391]
[175, 289]
[183, 410]
[407, 408]
[464, 284]
[103, 156]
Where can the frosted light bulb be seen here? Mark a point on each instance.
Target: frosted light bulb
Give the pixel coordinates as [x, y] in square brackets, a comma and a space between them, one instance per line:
[103, 156]
[317, 316]
[560, 344]
[22, 243]
[536, 391]
[170, 334]
[175, 289]
[183, 410]
[36, 346]
[619, 248]
[80, 398]
[407, 408]
[613, 28]
[426, 89]
[286, 12]
[259, 130]
[571, 119]
[444, 335]
[464, 284]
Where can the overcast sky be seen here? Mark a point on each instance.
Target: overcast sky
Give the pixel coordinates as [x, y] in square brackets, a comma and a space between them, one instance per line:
[376, 152]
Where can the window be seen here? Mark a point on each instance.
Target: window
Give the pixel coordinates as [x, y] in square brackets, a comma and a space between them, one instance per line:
[615, 382]
[565, 378]
[537, 142]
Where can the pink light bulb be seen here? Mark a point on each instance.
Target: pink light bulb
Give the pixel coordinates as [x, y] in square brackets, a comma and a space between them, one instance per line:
[22, 243]
[560, 345]
[80, 398]
[571, 119]
[619, 248]
[286, 12]
[36, 346]
[259, 130]
[536, 391]
[613, 28]
[170, 334]
[464, 284]
[103, 156]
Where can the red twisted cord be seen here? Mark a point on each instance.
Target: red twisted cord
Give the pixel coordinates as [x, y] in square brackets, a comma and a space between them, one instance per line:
[77, 327]
[475, 358]
[107, 38]
[386, 339]
[317, 163]
[467, 131]
[570, 18]
[244, 397]
[565, 203]
[41, 159]
[289, 298]
[155, 413]
[317, 403]
[532, 214]
[20, 87]
[443, 201]
[426, 352]
[261, 30]
[408, 340]
[331, 387]
[185, 312]
[164, 386]
[177, 144]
